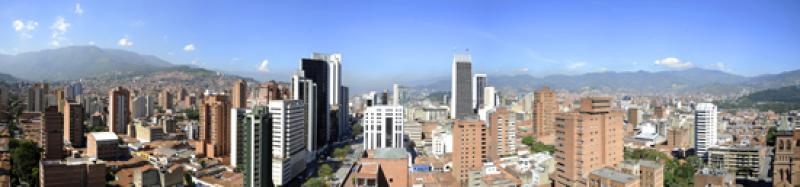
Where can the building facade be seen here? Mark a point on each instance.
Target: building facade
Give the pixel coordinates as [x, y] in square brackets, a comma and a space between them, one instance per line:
[469, 148]
[705, 128]
[383, 127]
[461, 91]
[119, 114]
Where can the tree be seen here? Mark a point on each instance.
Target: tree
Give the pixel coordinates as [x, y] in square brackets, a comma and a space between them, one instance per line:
[357, 129]
[771, 136]
[192, 114]
[342, 152]
[24, 158]
[528, 140]
[325, 170]
[314, 182]
[188, 180]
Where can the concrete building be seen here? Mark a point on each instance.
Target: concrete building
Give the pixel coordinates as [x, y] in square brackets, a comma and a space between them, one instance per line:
[461, 91]
[607, 177]
[73, 172]
[148, 133]
[166, 100]
[396, 94]
[744, 162]
[305, 89]
[707, 177]
[143, 106]
[147, 176]
[469, 148]
[442, 141]
[635, 116]
[678, 137]
[239, 126]
[239, 96]
[380, 167]
[73, 124]
[502, 133]
[37, 98]
[544, 110]
[479, 84]
[589, 139]
[52, 134]
[317, 70]
[650, 173]
[288, 139]
[705, 128]
[214, 127]
[103, 145]
[383, 127]
[119, 114]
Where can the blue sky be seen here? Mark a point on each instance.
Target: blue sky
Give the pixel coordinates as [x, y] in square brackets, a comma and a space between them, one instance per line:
[387, 41]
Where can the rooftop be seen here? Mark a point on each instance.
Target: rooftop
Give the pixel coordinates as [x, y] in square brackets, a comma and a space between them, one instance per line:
[395, 153]
[104, 136]
[614, 175]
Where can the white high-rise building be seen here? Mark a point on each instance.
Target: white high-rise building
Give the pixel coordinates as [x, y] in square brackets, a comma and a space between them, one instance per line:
[396, 94]
[288, 139]
[705, 127]
[461, 87]
[383, 127]
[478, 85]
[143, 106]
[305, 90]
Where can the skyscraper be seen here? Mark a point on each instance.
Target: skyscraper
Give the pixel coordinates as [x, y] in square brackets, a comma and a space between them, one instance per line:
[317, 70]
[257, 134]
[288, 139]
[143, 106]
[119, 113]
[383, 127]
[461, 91]
[478, 85]
[239, 127]
[73, 124]
[306, 90]
[544, 110]
[52, 134]
[165, 100]
[396, 94]
[705, 128]
[214, 126]
[469, 148]
[587, 140]
[502, 133]
[240, 94]
[490, 97]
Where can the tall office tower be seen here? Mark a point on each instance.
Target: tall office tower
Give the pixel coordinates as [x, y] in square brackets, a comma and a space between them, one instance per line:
[60, 99]
[383, 127]
[502, 133]
[490, 99]
[239, 128]
[165, 100]
[589, 139]
[544, 110]
[240, 94]
[317, 70]
[37, 97]
[288, 141]
[335, 63]
[396, 94]
[705, 128]
[469, 148]
[119, 114]
[306, 90]
[385, 97]
[143, 106]
[344, 112]
[478, 85]
[257, 134]
[73, 90]
[73, 124]
[52, 134]
[461, 91]
[214, 126]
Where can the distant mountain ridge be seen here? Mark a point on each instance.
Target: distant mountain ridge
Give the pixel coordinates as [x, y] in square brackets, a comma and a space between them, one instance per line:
[693, 80]
[75, 62]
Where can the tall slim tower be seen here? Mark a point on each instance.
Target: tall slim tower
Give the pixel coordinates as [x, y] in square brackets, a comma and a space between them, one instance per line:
[119, 114]
[240, 94]
[52, 134]
[214, 126]
[544, 110]
[306, 90]
[705, 128]
[461, 100]
[73, 124]
[317, 70]
[37, 97]
[288, 141]
[587, 140]
[478, 85]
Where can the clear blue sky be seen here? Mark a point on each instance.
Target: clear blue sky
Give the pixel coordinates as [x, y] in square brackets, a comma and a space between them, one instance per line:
[386, 41]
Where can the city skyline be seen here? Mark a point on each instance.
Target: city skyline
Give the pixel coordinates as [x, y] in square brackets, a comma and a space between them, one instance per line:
[536, 38]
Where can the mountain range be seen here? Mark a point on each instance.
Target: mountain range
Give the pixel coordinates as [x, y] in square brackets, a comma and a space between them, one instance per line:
[693, 80]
